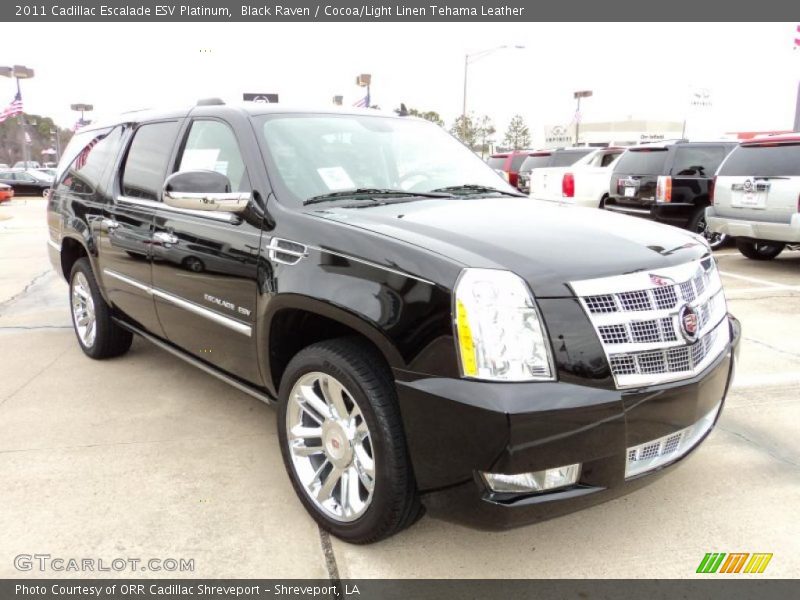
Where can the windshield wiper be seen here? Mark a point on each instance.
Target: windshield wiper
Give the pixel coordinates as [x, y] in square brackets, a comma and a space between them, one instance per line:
[472, 188]
[370, 193]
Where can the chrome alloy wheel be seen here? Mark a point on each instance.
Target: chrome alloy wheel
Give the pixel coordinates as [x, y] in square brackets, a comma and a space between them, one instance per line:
[83, 315]
[330, 446]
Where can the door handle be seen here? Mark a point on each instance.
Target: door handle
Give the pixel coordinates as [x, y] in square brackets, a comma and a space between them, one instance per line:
[110, 224]
[165, 237]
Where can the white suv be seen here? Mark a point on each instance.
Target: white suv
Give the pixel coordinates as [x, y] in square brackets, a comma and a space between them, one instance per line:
[756, 196]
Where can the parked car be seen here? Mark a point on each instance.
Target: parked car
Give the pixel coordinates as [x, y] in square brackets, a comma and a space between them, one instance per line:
[756, 196]
[584, 183]
[560, 157]
[31, 164]
[669, 183]
[430, 336]
[4, 166]
[508, 163]
[6, 192]
[26, 182]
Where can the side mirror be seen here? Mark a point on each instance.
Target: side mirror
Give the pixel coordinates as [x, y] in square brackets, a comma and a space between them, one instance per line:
[203, 190]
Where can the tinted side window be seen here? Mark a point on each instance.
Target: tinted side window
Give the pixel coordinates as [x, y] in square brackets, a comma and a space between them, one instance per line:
[212, 146]
[146, 164]
[84, 174]
[698, 161]
[764, 161]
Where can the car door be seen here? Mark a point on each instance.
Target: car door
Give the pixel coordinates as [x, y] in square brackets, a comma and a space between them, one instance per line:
[205, 264]
[26, 184]
[126, 237]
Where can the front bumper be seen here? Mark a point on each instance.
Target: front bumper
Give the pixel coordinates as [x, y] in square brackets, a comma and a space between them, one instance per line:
[489, 427]
[758, 230]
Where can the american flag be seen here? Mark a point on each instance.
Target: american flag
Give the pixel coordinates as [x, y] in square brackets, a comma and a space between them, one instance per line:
[13, 109]
[362, 103]
[80, 161]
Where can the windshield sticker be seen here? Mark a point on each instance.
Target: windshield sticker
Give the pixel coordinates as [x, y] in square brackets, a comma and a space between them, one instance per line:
[195, 159]
[336, 178]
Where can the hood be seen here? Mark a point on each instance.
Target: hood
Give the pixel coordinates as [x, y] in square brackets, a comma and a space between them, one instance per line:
[546, 244]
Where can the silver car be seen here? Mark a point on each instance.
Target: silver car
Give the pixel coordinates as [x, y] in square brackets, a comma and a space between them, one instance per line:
[756, 196]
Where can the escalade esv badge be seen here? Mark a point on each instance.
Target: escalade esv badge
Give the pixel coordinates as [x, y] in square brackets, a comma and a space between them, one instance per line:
[689, 323]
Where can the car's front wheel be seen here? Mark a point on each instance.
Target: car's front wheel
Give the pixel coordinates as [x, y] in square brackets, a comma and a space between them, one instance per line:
[343, 443]
[758, 250]
[98, 335]
[698, 224]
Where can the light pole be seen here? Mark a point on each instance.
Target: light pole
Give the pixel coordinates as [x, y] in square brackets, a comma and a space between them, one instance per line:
[82, 108]
[578, 96]
[468, 60]
[20, 72]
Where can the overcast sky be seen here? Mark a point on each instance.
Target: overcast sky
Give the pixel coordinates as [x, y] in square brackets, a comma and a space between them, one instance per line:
[635, 70]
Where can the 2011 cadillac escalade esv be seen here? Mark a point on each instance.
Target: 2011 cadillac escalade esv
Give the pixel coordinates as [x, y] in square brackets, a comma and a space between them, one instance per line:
[431, 338]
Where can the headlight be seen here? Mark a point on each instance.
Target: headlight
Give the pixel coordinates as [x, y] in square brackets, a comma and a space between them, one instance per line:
[500, 335]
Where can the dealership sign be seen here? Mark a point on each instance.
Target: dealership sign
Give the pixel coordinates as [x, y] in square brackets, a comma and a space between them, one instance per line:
[263, 98]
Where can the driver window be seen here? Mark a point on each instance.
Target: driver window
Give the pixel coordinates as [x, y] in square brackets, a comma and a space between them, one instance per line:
[212, 146]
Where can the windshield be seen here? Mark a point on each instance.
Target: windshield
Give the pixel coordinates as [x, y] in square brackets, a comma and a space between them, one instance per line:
[317, 155]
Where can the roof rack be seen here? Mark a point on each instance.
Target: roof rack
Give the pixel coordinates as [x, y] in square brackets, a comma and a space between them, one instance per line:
[210, 102]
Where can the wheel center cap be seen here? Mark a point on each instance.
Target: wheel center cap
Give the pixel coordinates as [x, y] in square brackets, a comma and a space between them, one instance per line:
[337, 444]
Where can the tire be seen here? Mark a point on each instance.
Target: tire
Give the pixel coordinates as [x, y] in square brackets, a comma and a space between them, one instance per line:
[602, 204]
[697, 224]
[368, 389]
[759, 250]
[86, 303]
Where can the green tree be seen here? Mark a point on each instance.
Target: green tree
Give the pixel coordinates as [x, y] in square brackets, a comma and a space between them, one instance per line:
[12, 138]
[428, 115]
[486, 129]
[517, 135]
[465, 128]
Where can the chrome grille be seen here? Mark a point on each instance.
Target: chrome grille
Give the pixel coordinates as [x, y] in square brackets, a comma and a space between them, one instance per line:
[669, 448]
[637, 319]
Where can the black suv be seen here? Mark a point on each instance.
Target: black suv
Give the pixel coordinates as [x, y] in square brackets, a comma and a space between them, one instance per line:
[670, 183]
[560, 157]
[429, 337]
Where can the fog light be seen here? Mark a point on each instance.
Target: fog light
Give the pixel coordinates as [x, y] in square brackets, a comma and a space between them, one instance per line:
[538, 481]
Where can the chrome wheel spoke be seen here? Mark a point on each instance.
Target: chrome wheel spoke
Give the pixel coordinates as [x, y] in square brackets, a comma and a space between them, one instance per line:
[83, 313]
[302, 433]
[350, 493]
[331, 479]
[309, 399]
[334, 396]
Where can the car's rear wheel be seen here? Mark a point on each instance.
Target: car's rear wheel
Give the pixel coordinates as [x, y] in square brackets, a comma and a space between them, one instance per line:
[343, 443]
[98, 335]
[759, 250]
[698, 224]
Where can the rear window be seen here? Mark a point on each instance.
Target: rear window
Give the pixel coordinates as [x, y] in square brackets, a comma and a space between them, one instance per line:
[535, 162]
[698, 161]
[516, 161]
[643, 162]
[565, 159]
[764, 161]
[497, 162]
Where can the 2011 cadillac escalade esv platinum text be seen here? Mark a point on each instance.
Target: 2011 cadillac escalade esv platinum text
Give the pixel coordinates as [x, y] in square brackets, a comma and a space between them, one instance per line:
[430, 338]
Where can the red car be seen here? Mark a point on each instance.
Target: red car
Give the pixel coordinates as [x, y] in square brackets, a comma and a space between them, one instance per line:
[6, 192]
[509, 163]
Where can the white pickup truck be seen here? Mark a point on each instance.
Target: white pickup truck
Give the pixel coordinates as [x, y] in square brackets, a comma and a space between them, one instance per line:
[584, 183]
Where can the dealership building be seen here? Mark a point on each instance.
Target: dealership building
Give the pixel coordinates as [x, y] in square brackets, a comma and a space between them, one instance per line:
[612, 133]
